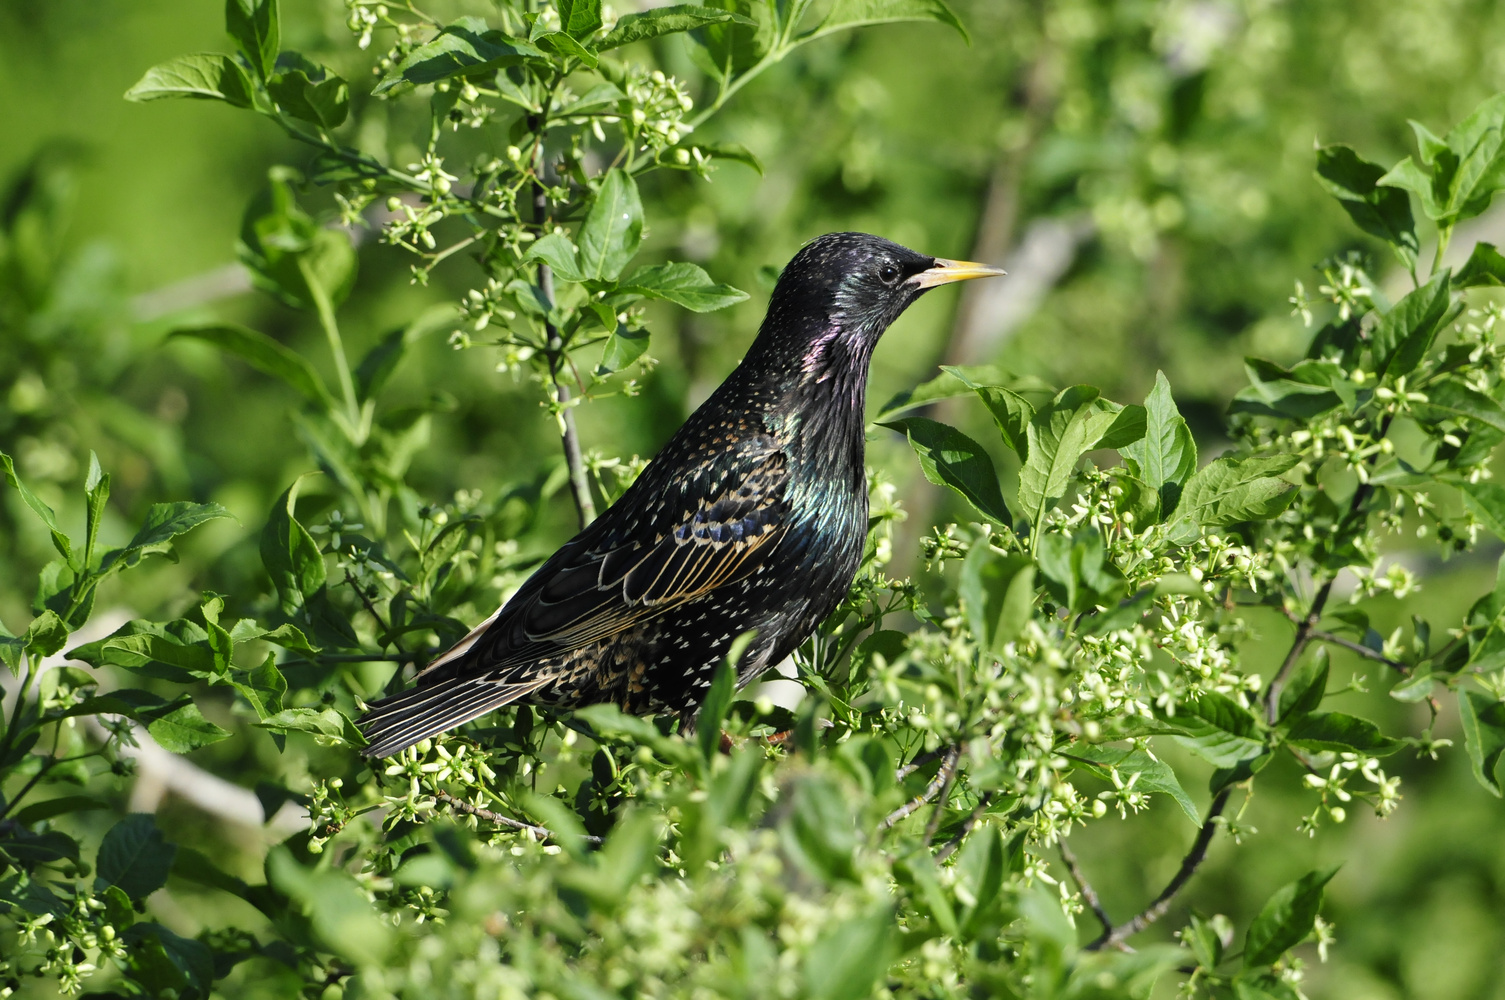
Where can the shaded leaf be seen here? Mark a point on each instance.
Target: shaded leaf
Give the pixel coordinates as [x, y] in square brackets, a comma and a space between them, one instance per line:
[1286, 919]
[950, 458]
[310, 92]
[1340, 733]
[264, 354]
[1380, 211]
[290, 554]
[1404, 334]
[1485, 266]
[847, 960]
[1450, 398]
[134, 856]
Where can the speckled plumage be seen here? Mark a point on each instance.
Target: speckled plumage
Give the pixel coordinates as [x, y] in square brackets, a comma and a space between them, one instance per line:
[752, 517]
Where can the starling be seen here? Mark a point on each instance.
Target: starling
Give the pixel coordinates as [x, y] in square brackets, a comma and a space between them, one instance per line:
[752, 518]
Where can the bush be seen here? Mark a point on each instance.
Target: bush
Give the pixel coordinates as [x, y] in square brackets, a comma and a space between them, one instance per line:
[1089, 653]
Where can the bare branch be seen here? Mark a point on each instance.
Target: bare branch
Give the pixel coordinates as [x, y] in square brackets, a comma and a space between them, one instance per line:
[542, 832]
[1089, 894]
[919, 762]
[1362, 650]
[1162, 903]
[942, 779]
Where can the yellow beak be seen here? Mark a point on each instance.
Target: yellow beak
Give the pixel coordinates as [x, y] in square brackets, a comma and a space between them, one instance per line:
[946, 271]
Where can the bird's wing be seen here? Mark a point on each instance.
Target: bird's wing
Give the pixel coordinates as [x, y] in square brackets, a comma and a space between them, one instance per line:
[633, 572]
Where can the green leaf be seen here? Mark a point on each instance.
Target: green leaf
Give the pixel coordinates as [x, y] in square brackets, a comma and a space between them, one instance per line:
[997, 593]
[563, 44]
[556, 250]
[1459, 174]
[1483, 720]
[1059, 434]
[1485, 266]
[734, 151]
[1219, 730]
[60, 541]
[62, 805]
[612, 230]
[1405, 333]
[1451, 398]
[164, 522]
[1166, 457]
[1232, 490]
[1286, 919]
[580, 18]
[327, 721]
[683, 284]
[11, 648]
[185, 729]
[623, 347]
[854, 13]
[178, 651]
[290, 554]
[466, 48]
[846, 961]
[1078, 572]
[310, 92]
[134, 856]
[46, 635]
[1379, 211]
[1304, 689]
[256, 26]
[206, 76]
[663, 21]
[1154, 775]
[1340, 733]
[950, 458]
[718, 698]
[264, 354]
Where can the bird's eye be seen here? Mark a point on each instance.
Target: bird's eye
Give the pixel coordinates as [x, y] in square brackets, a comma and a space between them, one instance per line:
[888, 273]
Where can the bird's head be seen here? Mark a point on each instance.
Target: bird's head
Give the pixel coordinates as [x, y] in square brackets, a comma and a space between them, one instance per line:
[840, 293]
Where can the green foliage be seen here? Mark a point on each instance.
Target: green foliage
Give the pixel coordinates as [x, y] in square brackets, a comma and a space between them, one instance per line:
[1093, 647]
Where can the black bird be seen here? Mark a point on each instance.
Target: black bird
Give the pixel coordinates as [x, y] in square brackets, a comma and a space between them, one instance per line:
[752, 517]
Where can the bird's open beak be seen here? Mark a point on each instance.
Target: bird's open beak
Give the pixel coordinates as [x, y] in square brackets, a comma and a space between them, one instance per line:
[944, 271]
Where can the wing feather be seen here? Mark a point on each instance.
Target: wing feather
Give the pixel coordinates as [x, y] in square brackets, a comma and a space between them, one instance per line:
[586, 593]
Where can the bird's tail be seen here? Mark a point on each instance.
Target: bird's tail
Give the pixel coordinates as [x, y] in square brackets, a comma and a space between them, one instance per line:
[396, 723]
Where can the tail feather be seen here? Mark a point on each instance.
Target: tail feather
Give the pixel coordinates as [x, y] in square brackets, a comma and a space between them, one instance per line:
[396, 723]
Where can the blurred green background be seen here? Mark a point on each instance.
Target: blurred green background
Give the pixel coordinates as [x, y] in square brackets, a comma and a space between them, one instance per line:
[1144, 170]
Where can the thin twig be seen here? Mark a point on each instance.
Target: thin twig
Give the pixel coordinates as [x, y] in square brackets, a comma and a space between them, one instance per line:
[919, 762]
[585, 505]
[940, 802]
[542, 832]
[950, 846]
[1162, 903]
[1089, 894]
[1362, 650]
[942, 779]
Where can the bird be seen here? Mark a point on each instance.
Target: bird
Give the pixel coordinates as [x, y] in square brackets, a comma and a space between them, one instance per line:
[752, 518]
